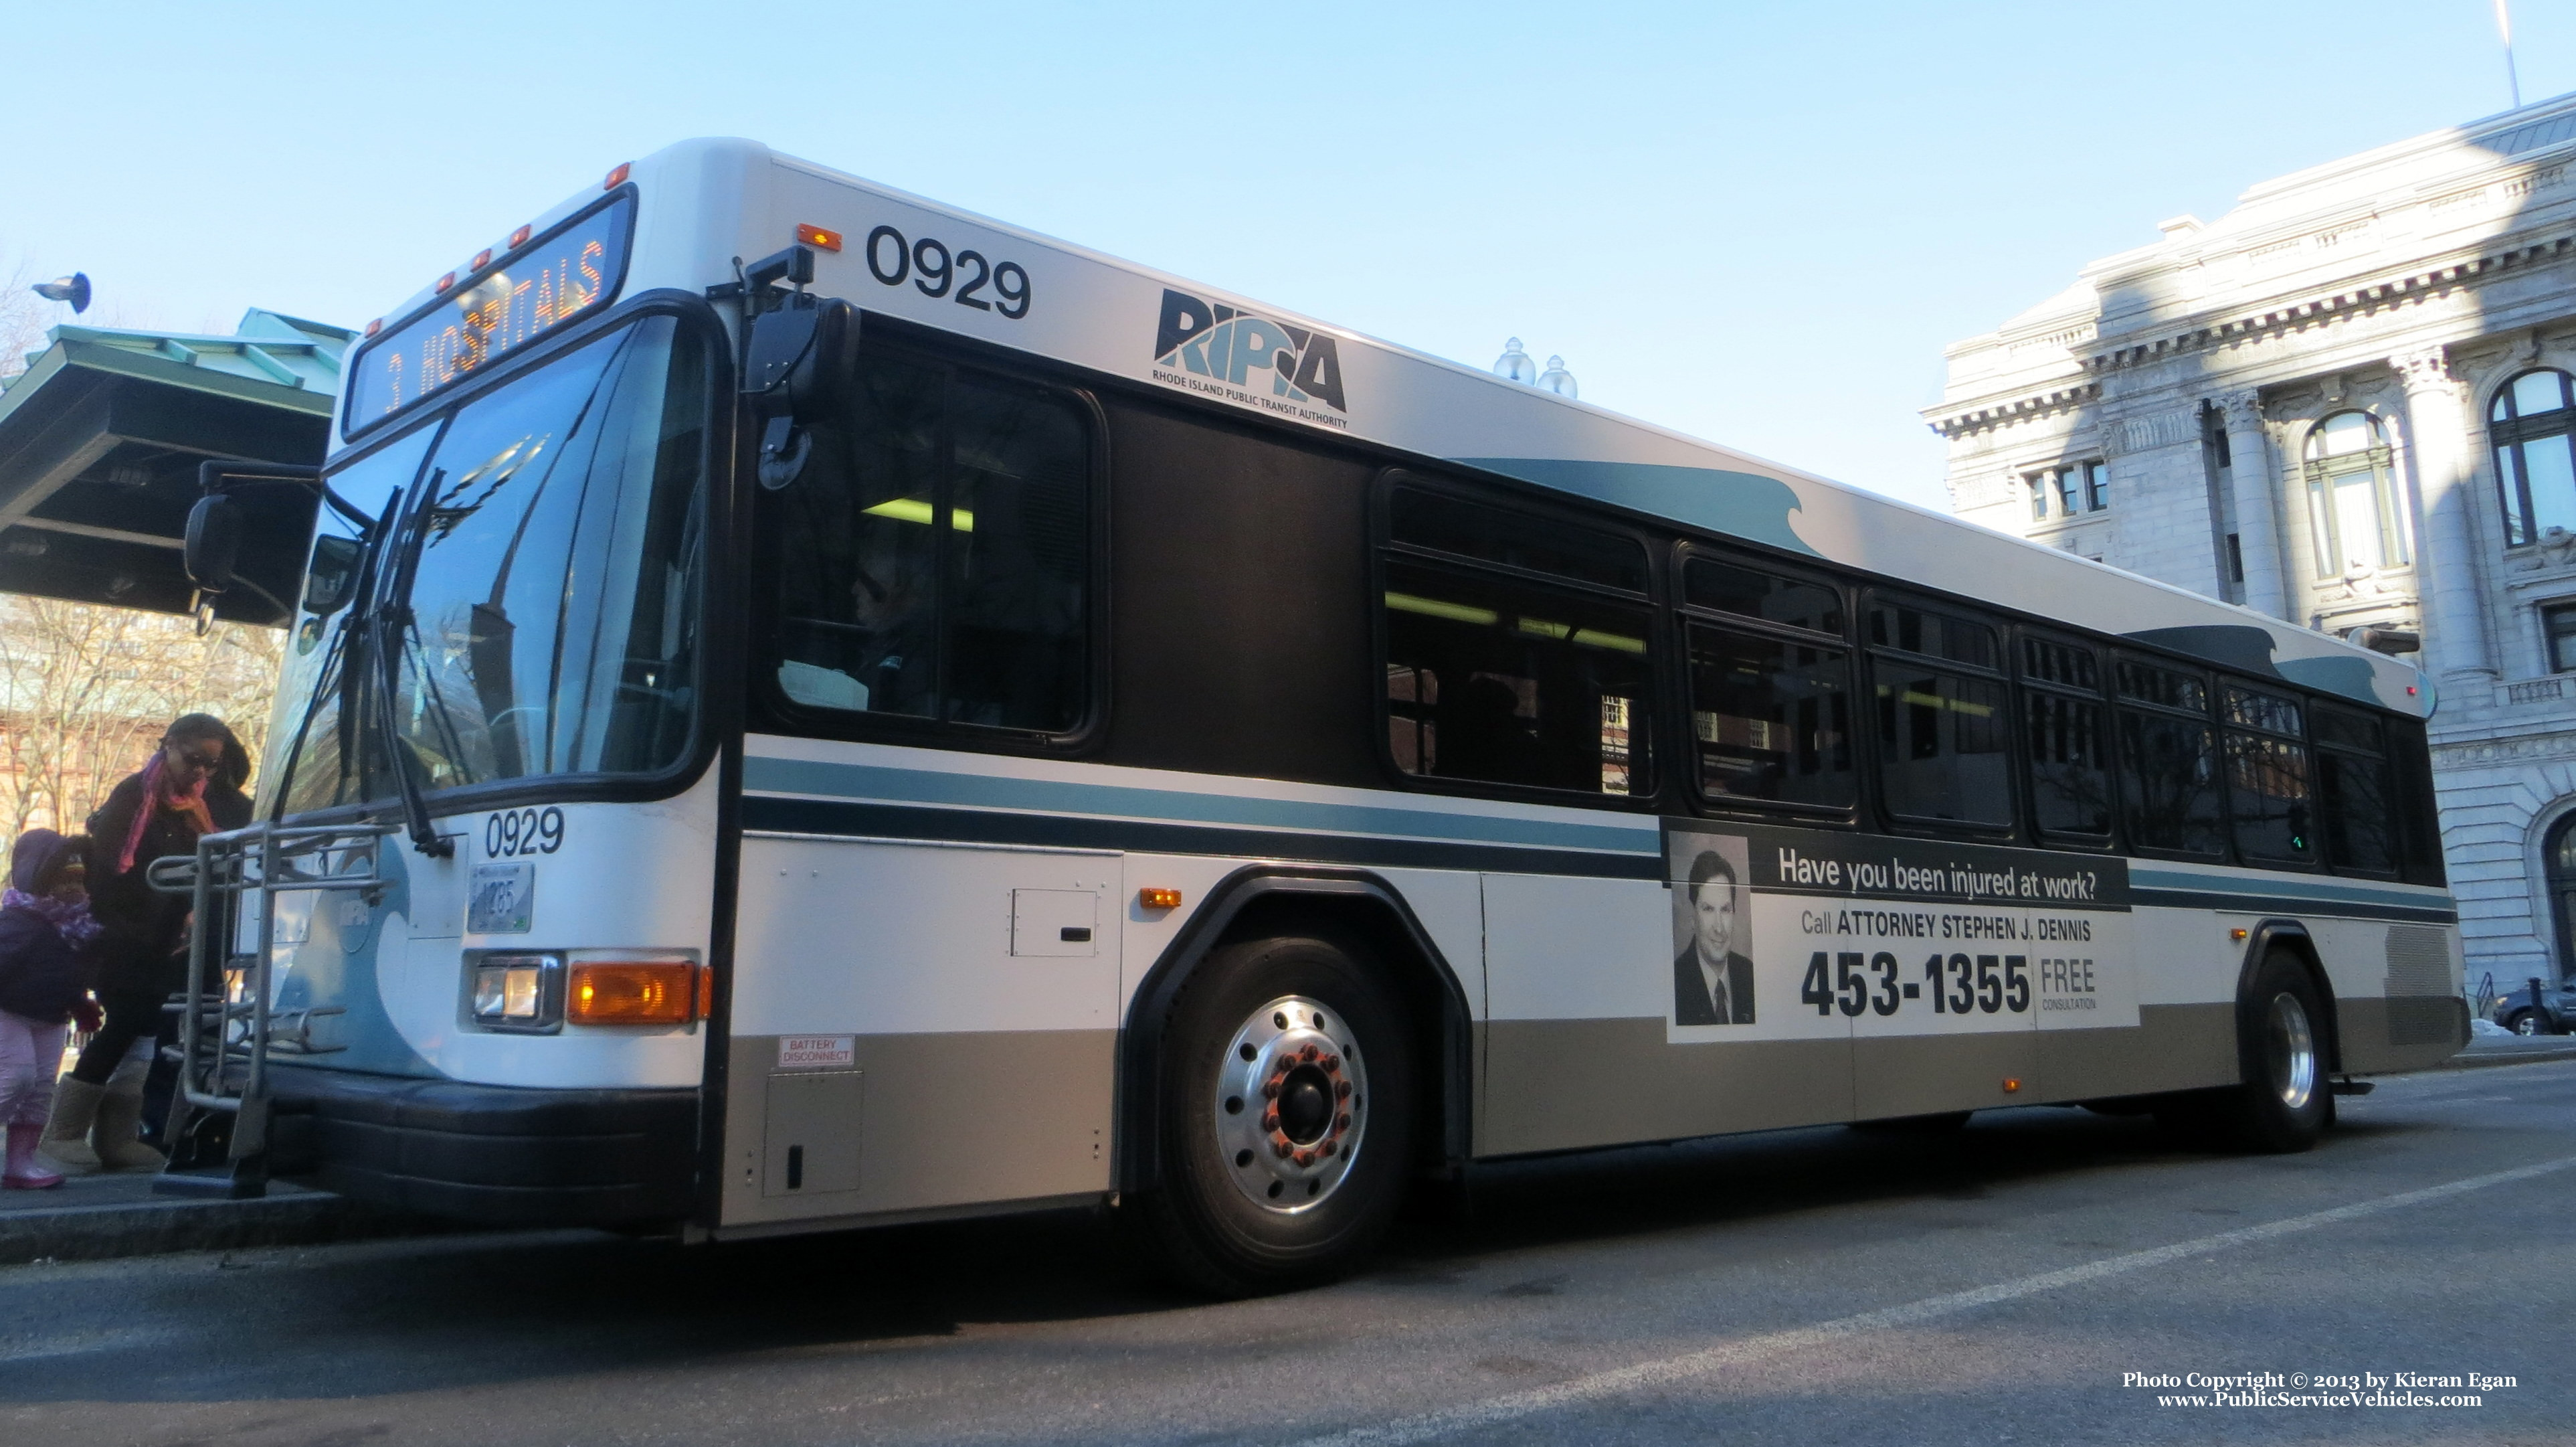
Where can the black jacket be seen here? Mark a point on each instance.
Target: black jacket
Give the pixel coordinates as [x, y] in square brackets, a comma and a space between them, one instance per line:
[143, 930]
[1691, 1002]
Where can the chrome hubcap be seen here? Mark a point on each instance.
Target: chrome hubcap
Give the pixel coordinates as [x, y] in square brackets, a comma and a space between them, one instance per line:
[1291, 1105]
[2293, 1051]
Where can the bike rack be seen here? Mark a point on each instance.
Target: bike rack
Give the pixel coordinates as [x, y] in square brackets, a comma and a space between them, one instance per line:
[228, 1027]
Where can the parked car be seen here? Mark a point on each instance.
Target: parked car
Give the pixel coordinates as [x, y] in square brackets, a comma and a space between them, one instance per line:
[2550, 1009]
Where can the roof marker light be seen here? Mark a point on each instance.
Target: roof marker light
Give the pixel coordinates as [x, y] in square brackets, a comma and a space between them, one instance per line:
[519, 238]
[375, 326]
[822, 238]
[482, 259]
[447, 281]
[617, 177]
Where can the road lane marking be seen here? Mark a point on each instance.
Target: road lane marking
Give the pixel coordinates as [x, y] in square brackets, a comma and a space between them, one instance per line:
[1493, 1411]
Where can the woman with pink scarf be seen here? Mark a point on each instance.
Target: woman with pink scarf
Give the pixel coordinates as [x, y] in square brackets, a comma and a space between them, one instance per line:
[191, 786]
[45, 933]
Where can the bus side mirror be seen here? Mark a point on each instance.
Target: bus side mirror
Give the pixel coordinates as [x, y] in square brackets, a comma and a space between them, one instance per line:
[213, 542]
[333, 575]
[798, 370]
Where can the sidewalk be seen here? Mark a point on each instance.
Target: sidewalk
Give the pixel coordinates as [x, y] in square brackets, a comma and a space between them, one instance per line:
[90, 1218]
[2486, 1050]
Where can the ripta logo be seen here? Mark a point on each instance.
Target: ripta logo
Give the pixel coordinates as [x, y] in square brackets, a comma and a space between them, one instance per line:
[1227, 344]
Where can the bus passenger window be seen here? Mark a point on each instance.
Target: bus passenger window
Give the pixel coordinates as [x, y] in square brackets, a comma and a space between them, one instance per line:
[2069, 740]
[1749, 593]
[1502, 682]
[2268, 786]
[1944, 744]
[2168, 761]
[1771, 718]
[2354, 796]
[935, 564]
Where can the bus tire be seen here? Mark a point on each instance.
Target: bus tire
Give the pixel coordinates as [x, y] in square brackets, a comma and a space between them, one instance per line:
[1285, 1128]
[2284, 1102]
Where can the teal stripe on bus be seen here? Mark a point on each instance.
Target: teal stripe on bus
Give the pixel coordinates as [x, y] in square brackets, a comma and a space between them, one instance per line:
[2272, 886]
[988, 791]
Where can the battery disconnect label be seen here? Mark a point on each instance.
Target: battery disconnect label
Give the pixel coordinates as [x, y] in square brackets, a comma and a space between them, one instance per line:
[808, 1051]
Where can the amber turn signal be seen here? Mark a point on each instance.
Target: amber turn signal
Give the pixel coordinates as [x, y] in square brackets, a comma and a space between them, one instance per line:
[2236, 934]
[657, 992]
[821, 238]
[1152, 897]
[2011, 1086]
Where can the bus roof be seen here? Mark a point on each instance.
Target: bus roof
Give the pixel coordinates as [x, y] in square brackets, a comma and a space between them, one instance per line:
[704, 203]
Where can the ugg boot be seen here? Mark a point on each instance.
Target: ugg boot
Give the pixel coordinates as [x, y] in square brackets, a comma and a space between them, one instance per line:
[23, 1172]
[119, 1148]
[66, 1138]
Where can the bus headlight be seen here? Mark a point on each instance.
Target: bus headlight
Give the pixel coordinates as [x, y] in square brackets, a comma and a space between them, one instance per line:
[519, 993]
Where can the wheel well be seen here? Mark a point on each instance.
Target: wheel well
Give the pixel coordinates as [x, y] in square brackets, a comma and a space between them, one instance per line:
[2287, 937]
[1353, 909]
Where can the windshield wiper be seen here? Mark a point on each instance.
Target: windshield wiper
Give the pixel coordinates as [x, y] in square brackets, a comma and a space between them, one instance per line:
[393, 621]
[371, 535]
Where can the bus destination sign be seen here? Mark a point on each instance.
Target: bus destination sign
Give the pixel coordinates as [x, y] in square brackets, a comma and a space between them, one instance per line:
[567, 273]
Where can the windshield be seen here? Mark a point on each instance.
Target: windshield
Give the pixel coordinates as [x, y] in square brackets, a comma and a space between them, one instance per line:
[553, 532]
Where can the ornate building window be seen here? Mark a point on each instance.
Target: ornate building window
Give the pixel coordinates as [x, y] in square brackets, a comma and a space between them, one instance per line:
[2077, 488]
[2558, 629]
[2533, 428]
[2351, 501]
[2558, 863]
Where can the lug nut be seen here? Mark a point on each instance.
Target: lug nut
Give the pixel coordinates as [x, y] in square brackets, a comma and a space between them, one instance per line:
[1329, 1147]
[1342, 1124]
[1332, 1063]
[1305, 1158]
[1308, 1054]
[1270, 1090]
[1270, 1120]
[1342, 1088]
[1281, 1148]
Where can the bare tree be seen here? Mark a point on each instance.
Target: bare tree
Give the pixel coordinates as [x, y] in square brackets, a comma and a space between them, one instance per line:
[86, 690]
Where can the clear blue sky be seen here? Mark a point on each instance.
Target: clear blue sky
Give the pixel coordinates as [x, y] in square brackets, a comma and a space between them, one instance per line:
[1759, 223]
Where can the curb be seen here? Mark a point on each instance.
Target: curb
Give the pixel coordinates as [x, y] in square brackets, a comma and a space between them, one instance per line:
[153, 1227]
[2489, 1059]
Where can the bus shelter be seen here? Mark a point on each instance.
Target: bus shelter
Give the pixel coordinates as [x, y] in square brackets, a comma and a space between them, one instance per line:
[101, 439]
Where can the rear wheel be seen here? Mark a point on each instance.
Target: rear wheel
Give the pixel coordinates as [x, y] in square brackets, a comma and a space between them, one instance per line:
[2526, 1022]
[1285, 1128]
[2284, 1103]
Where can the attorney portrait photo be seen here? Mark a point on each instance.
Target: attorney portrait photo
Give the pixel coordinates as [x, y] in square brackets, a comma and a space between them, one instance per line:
[1713, 968]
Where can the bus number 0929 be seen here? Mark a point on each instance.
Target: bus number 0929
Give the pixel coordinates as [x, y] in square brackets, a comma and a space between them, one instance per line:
[961, 276]
[514, 832]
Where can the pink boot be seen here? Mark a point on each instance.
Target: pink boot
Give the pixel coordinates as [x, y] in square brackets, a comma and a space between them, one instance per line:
[23, 1174]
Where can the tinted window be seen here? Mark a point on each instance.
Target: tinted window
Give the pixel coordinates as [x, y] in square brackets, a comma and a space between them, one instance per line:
[2170, 792]
[2070, 764]
[2166, 687]
[2337, 728]
[2356, 804]
[2354, 799]
[2068, 665]
[1771, 718]
[1751, 593]
[936, 565]
[1498, 535]
[2270, 712]
[1499, 681]
[1937, 635]
[1944, 744]
[2268, 795]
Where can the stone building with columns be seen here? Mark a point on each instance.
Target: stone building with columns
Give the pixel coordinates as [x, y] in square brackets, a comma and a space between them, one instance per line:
[2349, 402]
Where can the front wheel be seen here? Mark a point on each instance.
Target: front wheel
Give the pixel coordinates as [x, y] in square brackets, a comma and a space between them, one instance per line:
[1285, 1128]
[2526, 1022]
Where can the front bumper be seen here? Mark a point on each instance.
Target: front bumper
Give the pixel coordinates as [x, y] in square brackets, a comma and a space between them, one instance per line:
[506, 1155]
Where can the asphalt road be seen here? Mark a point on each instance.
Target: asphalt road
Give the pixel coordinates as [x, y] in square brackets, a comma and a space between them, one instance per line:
[1806, 1288]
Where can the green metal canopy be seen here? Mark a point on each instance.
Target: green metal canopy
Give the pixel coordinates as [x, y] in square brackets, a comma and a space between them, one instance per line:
[101, 438]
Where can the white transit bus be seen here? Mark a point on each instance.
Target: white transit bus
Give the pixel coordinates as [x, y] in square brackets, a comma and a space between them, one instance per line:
[809, 708]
